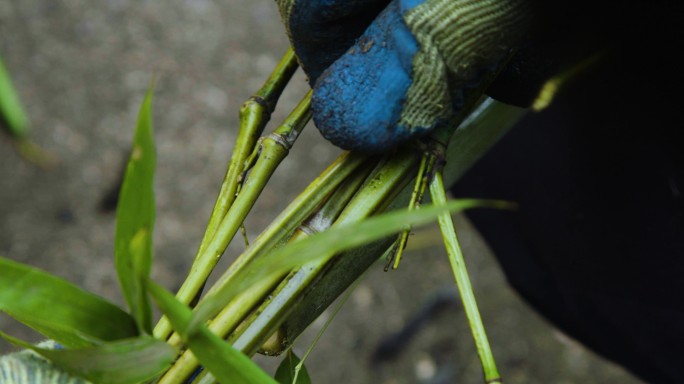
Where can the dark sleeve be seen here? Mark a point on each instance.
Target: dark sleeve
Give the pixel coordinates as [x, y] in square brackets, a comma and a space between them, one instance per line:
[568, 32]
[597, 245]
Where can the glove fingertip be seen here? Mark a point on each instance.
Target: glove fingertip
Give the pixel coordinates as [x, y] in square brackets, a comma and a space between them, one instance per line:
[358, 100]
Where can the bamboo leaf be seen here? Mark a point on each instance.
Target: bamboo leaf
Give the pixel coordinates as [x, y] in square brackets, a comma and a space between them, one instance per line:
[321, 245]
[120, 362]
[59, 309]
[11, 110]
[225, 363]
[287, 371]
[135, 220]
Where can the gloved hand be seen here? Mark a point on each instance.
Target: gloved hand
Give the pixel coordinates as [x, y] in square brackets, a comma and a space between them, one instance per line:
[385, 71]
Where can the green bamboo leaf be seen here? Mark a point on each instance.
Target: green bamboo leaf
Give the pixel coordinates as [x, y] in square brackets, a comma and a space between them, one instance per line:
[135, 220]
[126, 361]
[325, 244]
[225, 363]
[11, 110]
[59, 309]
[287, 371]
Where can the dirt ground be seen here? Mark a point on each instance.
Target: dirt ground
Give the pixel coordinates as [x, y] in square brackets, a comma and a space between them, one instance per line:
[82, 68]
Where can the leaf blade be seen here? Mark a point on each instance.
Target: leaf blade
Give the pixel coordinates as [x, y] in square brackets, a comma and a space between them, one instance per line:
[125, 361]
[59, 309]
[287, 371]
[334, 240]
[11, 110]
[135, 219]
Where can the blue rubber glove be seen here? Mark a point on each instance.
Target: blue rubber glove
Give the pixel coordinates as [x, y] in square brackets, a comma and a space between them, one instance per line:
[386, 71]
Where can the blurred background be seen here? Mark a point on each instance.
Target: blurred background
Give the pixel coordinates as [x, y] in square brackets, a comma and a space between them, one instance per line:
[82, 68]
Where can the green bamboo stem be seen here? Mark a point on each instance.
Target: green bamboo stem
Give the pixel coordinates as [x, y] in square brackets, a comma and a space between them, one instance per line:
[287, 222]
[474, 136]
[372, 197]
[318, 222]
[389, 177]
[403, 237]
[465, 289]
[254, 115]
[274, 148]
[479, 132]
[416, 197]
[376, 198]
[279, 230]
[231, 316]
[254, 334]
[473, 130]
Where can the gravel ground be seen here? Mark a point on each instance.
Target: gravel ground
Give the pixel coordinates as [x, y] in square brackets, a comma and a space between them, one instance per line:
[82, 68]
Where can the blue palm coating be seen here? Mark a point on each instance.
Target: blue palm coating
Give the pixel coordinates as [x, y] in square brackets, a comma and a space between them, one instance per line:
[358, 100]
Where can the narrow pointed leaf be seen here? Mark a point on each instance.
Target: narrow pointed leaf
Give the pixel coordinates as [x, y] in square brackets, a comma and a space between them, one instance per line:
[135, 220]
[59, 309]
[286, 372]
[323, 245]
[11, 112]
[126, 361]
[225, 363]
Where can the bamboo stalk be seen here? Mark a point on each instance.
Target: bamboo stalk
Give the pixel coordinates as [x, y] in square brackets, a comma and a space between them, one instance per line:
[254, 115]
[274, 148]
[281, 297]
[393, 173]
[465, 288]
[279, 231]
[389, 177]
